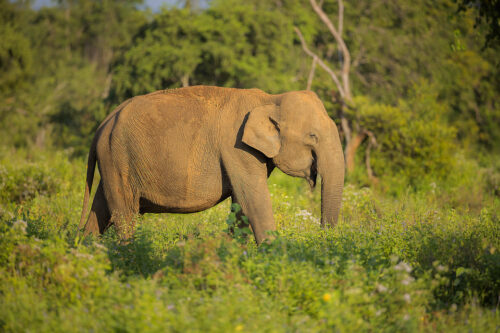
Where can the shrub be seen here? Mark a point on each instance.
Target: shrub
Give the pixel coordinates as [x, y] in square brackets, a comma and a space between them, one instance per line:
[406, 263]
[414, 143]
[22, 184]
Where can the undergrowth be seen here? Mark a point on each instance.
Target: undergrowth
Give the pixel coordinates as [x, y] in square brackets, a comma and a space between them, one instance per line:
[425, 260]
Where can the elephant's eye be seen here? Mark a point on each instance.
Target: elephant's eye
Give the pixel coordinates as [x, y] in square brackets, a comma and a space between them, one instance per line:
[312, 138]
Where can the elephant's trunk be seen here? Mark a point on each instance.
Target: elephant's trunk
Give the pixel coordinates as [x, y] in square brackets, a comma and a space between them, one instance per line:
[331, 169]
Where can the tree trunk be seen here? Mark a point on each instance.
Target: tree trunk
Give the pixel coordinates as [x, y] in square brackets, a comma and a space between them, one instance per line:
[185, 80]
[350, 150]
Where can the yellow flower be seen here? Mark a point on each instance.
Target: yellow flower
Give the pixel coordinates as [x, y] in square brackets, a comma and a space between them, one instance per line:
[238, 328]
[327, 297]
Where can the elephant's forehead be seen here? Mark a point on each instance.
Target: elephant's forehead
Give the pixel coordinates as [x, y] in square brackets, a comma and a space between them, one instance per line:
[302, 101]
[305, 109]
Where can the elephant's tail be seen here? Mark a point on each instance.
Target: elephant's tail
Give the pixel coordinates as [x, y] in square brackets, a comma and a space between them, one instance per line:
[88, 183]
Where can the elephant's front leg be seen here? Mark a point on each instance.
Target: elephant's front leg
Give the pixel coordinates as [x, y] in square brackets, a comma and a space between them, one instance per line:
[253, 196]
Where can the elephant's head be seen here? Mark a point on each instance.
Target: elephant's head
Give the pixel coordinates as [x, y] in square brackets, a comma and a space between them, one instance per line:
[302, 140]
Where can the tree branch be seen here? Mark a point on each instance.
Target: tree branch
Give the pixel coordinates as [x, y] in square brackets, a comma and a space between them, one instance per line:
[345, 51]
[185, 80]
[357, 60]
[107, 85]
[321, 63]
[311, 73]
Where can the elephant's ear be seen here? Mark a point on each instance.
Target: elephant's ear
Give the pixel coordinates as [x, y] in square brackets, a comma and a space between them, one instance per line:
[262, 130]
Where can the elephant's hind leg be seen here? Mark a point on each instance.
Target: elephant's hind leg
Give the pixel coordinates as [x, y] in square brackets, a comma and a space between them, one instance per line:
[123, 205]
[99, 217]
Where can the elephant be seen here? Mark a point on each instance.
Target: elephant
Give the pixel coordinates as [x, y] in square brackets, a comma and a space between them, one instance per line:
[185, 150]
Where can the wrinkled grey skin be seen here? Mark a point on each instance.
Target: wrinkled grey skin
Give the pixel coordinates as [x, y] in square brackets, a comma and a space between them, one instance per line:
[185, 150]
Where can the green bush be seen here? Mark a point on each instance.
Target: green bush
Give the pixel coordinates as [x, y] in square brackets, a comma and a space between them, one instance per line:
[407, 263]
[20, 184]
[41, 187]
[413, 141]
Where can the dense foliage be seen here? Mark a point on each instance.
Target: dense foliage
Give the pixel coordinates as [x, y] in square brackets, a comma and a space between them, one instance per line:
[417, 245]
[414, 263]
[63, 68]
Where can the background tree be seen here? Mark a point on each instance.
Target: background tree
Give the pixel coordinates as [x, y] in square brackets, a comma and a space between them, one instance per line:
[343, 95]
[487, 12]
[63, 68]
[231, 44]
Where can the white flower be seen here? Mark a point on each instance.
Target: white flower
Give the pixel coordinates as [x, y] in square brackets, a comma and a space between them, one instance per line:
[407, 298]
[20, 225]
[306, 215]
[100, 246]
[406, 281]
[381, 288]
[441, 268]
[402, 266]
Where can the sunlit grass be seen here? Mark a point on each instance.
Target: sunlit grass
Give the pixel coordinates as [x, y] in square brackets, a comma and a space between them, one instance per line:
[406, 263]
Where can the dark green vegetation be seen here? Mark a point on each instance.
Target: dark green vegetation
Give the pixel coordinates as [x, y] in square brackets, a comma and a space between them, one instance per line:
[417, 246]
[407, 263]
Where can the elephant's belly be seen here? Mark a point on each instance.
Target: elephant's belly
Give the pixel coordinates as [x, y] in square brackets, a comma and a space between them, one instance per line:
[147, 206]
[174, 203]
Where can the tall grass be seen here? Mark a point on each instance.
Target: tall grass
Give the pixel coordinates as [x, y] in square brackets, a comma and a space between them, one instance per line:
[422, 260]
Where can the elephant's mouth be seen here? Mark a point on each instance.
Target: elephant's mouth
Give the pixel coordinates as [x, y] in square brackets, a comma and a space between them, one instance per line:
[312, 175]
